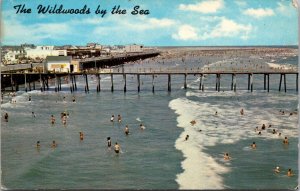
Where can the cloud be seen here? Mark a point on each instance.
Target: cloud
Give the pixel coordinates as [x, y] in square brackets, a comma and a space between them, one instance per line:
[229, 28]
[285, 9]
[186, 32]
[210, 6]
[225, 28]
[241, 3]
[16, 33]
[258, 13]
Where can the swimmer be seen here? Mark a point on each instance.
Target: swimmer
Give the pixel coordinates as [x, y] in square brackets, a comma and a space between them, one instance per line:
[216, 113]
[54, 145]
[187, 137]
[126, 130]
[112, 118]
[256, 128]
[270, 126]
[81, 136]
[285, 141]
[38, 144]
[279, 134]
[242, 111]
[29, 98]
[142, 127]
[276, 170]
[193, 122]
[52, 119]
[33, 115]
[73, 99]
[117, 148]
[108, 142]
[226, 156]
[289, 173]
[274, 131]
[253, 145]
[263, 127]
[6, 117]
[259, 133]
[119, 118]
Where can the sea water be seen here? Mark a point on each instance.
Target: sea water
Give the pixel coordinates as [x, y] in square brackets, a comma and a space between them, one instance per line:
[157, 157]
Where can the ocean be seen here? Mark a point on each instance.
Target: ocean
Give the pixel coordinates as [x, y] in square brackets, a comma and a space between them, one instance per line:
[157, 157]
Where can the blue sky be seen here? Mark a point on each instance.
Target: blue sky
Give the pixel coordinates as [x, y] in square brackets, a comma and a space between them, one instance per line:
[170, 23]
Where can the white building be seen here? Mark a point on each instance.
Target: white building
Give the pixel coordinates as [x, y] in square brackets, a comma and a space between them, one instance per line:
[43, 52]
[12, 56]
[133, 48]
[58, 64]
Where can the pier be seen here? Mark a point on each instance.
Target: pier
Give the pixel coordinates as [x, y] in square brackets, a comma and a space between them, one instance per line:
[13, 80]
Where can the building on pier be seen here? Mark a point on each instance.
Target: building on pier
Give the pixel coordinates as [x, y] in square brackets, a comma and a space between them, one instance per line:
[58, 64]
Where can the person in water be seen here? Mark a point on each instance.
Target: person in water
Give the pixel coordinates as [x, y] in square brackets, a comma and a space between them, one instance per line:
[216, 113]
[253, 145]
[263, 127]
[274, 131]
[29, 98]
[276, 170]
[112, 118]
[52, 119]
[193, 122]
[6, 117]
[126, 130]
[73, 99]
[54, 144]
[117, 148]
[242, 111]
[81, 136]
[142, 127]
[226, 156]
[187, 137]
[285, 141]
[38, 144]
[119, 118]
[33, 115]
[290, 173]
[108, 142]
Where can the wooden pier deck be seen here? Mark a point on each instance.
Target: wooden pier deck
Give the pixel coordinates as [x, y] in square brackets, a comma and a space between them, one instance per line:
[12, 80]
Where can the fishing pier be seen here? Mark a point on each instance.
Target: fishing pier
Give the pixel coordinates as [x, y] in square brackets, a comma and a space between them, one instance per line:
[29, 79]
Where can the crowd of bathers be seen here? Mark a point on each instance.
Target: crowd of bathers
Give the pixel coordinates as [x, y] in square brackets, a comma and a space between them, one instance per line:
[285, 141]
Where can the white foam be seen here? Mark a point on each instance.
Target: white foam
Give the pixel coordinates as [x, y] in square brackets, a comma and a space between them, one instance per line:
[202, 171]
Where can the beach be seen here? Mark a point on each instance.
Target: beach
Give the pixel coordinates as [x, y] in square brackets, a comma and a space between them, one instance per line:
[159, 157]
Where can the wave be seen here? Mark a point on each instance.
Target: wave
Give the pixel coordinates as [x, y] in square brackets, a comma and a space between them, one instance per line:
[202, 171]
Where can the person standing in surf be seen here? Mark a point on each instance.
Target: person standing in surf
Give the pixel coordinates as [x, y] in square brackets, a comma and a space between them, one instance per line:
[126, 130]
[117, 148]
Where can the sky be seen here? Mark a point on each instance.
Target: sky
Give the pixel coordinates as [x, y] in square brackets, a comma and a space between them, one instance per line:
[169, 23]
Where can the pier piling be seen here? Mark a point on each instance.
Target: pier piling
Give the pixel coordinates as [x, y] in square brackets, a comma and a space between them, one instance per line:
[185, 83]
[251, 81]
[86, 84]
[153, 83]
[25, 80]
[112, 82]
[169, 82]
[201, 85]
[124, 78]
[284, 79]
[41, 83]
[280, 82]
[55, 83]
[297, 82]
[268, 82]
[139, 82]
